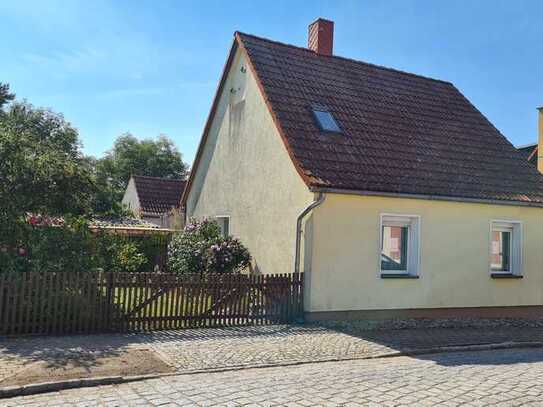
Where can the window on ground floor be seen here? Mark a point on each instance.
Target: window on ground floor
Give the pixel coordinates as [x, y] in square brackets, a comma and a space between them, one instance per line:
[224, 225]
[399, 252]
[506, 247]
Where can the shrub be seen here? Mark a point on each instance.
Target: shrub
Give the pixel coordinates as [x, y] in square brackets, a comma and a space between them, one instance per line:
[48, 249]
[119, 255]
[71, 246]
[200, 248]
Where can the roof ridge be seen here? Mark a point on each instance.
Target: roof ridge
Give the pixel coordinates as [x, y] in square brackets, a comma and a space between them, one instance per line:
[386, 68]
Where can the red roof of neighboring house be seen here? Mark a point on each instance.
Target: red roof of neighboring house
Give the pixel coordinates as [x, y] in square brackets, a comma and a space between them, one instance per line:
[158, 195]
[401, 133]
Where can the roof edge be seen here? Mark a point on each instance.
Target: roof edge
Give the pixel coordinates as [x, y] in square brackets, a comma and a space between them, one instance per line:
[426, 197]
[203, 138]
[526, 145]
[160, 178]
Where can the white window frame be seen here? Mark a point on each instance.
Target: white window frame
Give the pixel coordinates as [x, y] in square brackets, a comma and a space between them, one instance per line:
[224, 217]
[413, 242]
[517, 245]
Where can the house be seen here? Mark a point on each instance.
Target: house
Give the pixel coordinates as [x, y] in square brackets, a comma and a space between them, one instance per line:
[155, 200]
[390, 191]
[531, 151]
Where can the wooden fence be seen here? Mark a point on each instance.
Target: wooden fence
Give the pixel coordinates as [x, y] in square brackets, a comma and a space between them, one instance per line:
[87, 302]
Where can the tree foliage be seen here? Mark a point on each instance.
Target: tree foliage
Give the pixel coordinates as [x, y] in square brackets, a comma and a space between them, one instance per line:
[69, 248]
[41, 165]
[42, 172]
[5, 95]
[119, 255]
[200, 248]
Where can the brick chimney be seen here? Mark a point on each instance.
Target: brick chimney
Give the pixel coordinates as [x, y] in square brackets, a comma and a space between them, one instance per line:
[540, 142]
[321, 37]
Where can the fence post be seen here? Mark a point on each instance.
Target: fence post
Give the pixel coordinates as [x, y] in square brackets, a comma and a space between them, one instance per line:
[109, 300]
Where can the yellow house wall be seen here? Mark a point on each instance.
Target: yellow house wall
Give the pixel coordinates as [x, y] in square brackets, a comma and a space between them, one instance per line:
[248, 175]
[454, 256]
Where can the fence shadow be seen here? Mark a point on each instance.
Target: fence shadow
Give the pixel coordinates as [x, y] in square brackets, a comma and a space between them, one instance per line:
[497, 357]
[309, 342]
[60, 351]
[230, 333]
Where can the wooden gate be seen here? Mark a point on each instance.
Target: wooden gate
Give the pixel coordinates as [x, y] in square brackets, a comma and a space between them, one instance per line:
[59, 303]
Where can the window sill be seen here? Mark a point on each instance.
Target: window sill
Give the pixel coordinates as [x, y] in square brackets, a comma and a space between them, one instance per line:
[398, 275]
[505, 275]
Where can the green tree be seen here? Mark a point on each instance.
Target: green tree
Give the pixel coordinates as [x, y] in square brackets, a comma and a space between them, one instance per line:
[42, 175]
[130, 156]
[5, 95]
[41, 165]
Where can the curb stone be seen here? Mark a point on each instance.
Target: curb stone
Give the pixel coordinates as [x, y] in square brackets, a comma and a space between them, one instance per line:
[47, 387]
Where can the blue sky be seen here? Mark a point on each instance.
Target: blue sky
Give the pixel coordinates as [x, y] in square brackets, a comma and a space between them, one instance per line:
[151, 67]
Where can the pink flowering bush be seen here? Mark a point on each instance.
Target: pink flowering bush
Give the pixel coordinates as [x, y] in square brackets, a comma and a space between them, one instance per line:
[200, 248]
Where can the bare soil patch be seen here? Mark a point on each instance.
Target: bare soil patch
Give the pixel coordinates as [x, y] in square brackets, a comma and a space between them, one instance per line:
[132, 362]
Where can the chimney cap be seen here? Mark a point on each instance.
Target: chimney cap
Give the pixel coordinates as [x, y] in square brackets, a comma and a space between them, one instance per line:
[325, 20]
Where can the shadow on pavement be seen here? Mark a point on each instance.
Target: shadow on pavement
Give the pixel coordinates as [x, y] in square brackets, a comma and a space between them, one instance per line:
[421, 339]
[494, 357]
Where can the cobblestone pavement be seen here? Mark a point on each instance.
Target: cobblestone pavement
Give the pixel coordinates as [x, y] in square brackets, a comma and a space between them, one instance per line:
[487, 378]
[208, 349]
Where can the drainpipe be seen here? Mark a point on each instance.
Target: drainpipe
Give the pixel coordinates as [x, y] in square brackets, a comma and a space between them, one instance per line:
[305, 212]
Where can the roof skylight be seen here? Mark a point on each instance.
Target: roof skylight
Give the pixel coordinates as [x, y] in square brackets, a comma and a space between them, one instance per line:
[326, 120]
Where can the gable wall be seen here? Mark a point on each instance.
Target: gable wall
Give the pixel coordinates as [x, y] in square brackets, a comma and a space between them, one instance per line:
[454, 256]
[130, 198]
[245, 173]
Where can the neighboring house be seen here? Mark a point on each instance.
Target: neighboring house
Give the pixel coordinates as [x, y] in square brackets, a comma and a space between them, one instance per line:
[155, 200]
[531, 151]
[406, 199]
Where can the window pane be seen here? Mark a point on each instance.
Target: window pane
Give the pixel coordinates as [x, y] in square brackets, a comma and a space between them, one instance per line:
[326, 120]
[226, 229]
[394, 248]
[224, 225]
[501, 251]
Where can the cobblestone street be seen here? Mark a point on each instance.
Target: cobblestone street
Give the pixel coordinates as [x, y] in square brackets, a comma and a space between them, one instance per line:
[210, 349]
[486, 378]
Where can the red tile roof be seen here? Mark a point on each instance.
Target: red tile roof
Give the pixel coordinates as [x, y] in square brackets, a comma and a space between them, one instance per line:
[402, 133]
[158, 195]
